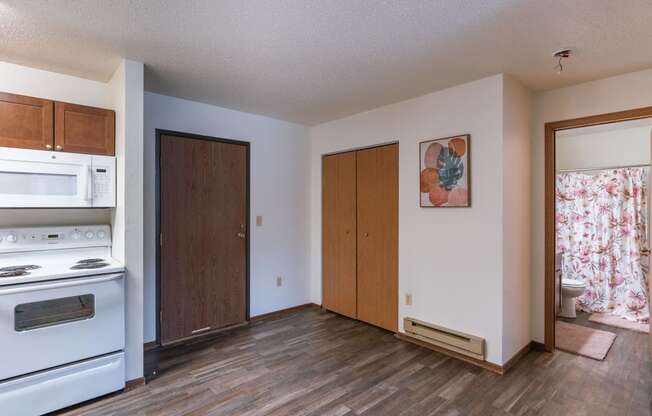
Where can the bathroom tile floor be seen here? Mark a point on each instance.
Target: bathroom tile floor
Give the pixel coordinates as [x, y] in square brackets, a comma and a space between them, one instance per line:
[314, 363]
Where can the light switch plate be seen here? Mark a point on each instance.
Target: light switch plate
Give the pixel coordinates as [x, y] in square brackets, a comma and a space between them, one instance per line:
[408, 298]
[279, 281]
[259, 220]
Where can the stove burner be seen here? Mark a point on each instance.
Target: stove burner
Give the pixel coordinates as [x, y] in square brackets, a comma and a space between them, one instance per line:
[22, 268]
[90, 261]
[85, 266]
[14, 273]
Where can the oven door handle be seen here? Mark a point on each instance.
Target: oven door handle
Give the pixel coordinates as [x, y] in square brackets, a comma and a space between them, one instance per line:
[58, 284]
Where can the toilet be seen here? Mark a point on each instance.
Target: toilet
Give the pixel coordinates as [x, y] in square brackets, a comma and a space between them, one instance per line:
[570, 289]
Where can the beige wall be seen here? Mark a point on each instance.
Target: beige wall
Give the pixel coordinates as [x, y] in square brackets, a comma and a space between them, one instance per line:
[617, 93]
[618, 144]
[451, 260]
[127, 217]
[516, 217]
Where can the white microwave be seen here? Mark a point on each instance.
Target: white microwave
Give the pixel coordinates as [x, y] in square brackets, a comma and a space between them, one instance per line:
[47, 179]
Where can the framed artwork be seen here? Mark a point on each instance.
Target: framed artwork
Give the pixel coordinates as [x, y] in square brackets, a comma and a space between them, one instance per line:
[445, 166]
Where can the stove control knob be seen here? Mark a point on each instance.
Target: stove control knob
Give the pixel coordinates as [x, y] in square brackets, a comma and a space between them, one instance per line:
[101, 234]
[75, 235]
[89, 235]
[12, 238]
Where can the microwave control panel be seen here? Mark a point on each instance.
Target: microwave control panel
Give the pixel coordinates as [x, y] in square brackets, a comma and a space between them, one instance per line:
[103, 179]
[101, 182]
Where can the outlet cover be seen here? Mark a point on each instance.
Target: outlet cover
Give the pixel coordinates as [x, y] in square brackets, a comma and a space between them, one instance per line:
[279, 281]
[408, 298]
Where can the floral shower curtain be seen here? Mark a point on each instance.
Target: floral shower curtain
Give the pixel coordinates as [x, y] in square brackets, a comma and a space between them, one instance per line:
[602, 239]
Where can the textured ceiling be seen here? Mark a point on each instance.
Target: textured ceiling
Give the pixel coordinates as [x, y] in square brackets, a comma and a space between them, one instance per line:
[311, 61]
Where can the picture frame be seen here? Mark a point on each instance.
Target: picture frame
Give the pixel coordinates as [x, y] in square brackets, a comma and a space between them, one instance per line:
[445, 172]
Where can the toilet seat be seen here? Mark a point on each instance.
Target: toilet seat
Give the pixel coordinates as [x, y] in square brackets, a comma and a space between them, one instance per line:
[572, 283]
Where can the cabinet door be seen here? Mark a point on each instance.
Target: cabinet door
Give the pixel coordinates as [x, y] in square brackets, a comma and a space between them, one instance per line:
[377, 219]
[339, 234]
[26, 122]
[81, 129]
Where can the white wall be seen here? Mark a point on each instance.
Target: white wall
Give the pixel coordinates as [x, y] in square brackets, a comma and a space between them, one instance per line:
[617, 93]
[449, 259]
[127, 217]
[516, 194]
[617, 144]
[23, 80]
[279, 186]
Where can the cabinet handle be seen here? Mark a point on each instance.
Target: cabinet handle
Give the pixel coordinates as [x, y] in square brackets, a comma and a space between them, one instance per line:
[48, 146]
[59, 147]
[366, 234]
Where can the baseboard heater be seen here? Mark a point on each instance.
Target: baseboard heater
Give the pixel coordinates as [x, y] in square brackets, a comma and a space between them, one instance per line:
[449, 339]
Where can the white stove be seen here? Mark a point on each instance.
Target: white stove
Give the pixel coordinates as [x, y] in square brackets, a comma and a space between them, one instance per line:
[62, 308]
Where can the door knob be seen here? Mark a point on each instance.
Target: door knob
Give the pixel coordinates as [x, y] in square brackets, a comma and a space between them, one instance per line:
[366, 234]
[59, 147]
[241, 235]
[48, 146]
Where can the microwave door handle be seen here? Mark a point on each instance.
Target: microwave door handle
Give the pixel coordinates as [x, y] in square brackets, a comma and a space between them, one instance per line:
[87, 184]
[84, 182]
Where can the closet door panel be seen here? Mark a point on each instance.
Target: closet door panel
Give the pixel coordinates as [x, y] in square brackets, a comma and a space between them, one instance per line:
[339, 233]
[377, 220]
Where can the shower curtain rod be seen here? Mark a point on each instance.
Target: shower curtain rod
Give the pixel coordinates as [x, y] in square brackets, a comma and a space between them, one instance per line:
[647, 165]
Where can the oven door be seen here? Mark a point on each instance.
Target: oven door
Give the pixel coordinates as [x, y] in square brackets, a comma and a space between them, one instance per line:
[47, 324]
[36, 178]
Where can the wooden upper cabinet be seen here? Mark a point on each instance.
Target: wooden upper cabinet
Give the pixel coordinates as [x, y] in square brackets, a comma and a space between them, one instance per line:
[81, 129]
[35, 123]
[26, 122]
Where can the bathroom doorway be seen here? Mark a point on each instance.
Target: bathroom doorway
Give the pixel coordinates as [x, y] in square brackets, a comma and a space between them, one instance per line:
[597, 232]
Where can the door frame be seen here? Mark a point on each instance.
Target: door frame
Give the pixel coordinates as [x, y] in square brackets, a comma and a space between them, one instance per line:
[247, 145]
[550, 314]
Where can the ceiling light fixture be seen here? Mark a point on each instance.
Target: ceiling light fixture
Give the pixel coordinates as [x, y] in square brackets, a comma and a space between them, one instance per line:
[564, 53]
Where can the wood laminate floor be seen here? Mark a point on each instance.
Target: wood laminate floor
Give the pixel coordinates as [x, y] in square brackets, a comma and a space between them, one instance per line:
[318, 363]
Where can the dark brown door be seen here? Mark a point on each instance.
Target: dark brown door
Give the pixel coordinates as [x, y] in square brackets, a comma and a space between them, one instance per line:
[203, 216]
[377, 219]
[26, 122]
[82, 129]
[339, 233]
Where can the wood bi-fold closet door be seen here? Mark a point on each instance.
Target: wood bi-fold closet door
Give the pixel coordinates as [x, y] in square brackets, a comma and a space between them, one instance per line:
[203, 236]
[377, 185]
[339, 233]
[360, 235]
